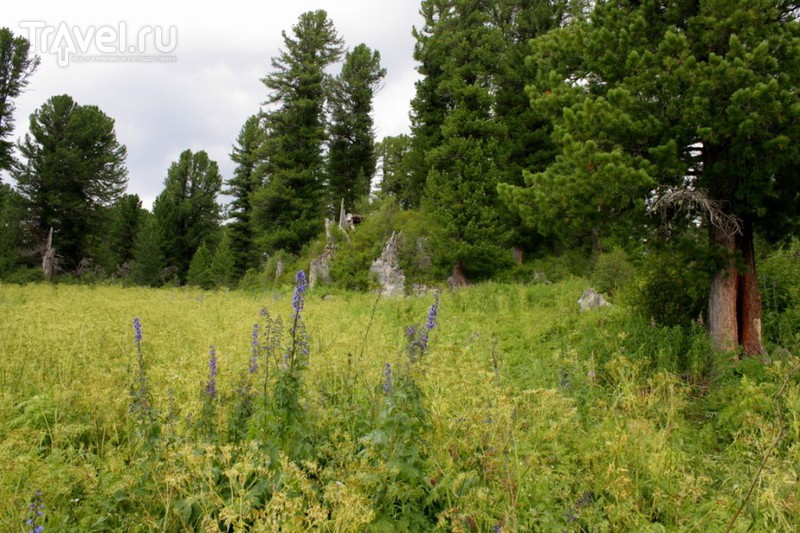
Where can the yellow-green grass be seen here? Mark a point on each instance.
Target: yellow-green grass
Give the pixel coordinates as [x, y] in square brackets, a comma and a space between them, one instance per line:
[531, 424]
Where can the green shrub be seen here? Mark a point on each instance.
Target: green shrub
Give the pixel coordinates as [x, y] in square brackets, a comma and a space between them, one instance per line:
[673, 283]
[612, 271]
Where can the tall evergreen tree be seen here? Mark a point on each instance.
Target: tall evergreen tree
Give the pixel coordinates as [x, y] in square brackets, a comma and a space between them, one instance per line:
[222, 269]
[148, 259]
[431, 102]
[461, 188]
[126, 216]
[290, 205]
[16, 66]
[74, 168]
[393, 154]
[10, 229]
[186, 211]
[199, 273]
[695, 100]
[528, 144]
[351, 154]
[241, 187]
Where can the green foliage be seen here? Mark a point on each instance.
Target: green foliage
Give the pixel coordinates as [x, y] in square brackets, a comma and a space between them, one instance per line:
[200, 273]
[16, 66]
[578, 421]
[612, 271]
[223, 266]
[356, 251]
[393, 154]
[74, 168]
[241, 187]
[126, 219]
[148, 259]
[672, 285]
[779, 278]
[351, 153]
[186, 211]
[10, 230]
[289, 207]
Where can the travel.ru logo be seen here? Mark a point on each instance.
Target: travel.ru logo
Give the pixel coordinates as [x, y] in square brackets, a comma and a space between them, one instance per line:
[102, 43]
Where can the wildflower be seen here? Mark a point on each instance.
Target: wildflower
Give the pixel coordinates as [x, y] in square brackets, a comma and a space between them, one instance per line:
[432, 314]
[211, 387]
[387, 378]
[254, 349]
[299, 291]
[35, 510]
[137, 337]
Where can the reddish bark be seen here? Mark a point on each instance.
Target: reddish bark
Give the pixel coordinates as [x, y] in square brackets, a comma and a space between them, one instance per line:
[749, 298]
[734, 304]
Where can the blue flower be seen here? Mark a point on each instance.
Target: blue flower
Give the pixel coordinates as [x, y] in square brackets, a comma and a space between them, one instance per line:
[387, 378]
[137, 328]
[254, 349]
[432, 315]
[35, 513]
[211, 387]
[299, 291]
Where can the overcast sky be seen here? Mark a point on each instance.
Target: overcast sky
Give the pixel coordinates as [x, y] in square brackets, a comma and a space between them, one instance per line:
[206, 80]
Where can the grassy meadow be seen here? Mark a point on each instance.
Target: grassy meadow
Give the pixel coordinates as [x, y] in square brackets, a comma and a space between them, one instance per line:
[509, 410]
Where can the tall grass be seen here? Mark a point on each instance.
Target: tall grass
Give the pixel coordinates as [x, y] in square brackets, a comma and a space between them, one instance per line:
[503, 409]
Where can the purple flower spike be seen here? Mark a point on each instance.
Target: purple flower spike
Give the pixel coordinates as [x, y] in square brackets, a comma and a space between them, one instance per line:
[211, 387]
[299, 291]
[387, 378]
[433, 313]
[137, 329]
[254, 349]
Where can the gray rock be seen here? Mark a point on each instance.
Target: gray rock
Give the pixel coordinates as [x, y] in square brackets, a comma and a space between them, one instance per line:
[391, 279]
[591, 299]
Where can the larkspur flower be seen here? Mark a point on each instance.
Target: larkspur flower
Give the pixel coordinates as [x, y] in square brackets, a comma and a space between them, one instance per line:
[254, 348]
[211, 387]
[433, 313]
[137, 328]
[299, 291]
[35, 510]
[387, 378]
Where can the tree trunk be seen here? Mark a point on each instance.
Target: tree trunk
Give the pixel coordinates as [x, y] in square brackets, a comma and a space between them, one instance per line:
[722, 317]
[458, 278]
[749, 297]
[734, 303]
[518, 254]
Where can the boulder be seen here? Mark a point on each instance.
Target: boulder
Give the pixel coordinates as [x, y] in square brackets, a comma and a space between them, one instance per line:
[591, 299]
[391, 279]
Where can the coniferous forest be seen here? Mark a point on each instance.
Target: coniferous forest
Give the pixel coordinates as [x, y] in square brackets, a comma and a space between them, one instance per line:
[647, 149]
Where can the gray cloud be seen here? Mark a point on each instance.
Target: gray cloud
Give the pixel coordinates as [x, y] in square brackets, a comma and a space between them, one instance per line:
[201, 100]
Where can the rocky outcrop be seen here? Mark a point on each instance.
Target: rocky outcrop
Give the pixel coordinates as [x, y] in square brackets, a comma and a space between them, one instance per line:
[387, 271]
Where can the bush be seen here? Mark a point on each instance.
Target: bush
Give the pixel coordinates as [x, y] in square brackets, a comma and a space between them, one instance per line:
[612, 271]
[24, 276]
[673, 284]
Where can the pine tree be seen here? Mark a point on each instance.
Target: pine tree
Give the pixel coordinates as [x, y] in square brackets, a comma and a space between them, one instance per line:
[222, 270]
[461, 188]
[126, 218]
[351, 154]
[200, 268]
[393, 155]
[241, 187]
[10, 230]
[691, 105]
[431, 102]
[16, 66]
[74, 169]
[148, 259]
[186, 211]
[289, 207]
